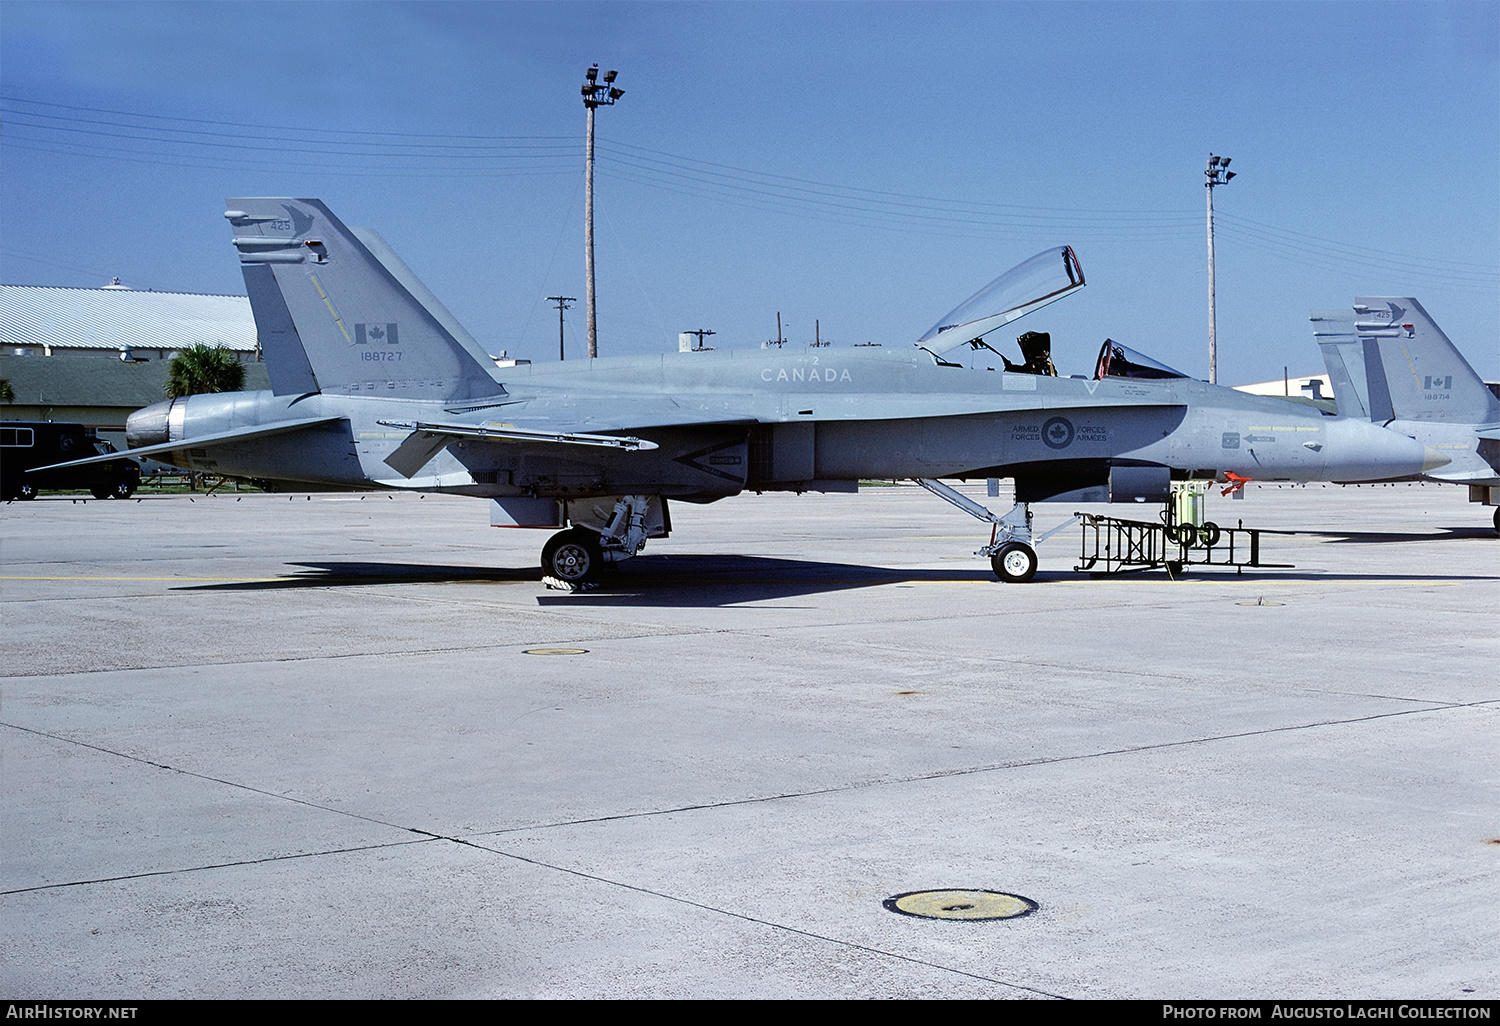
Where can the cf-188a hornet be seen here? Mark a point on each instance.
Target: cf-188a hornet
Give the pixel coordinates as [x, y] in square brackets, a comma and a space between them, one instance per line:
[376, 385]
[1389, 362]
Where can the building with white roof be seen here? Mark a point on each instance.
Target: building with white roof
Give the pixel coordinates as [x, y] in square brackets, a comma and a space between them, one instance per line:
[122, 323]
[135, 333]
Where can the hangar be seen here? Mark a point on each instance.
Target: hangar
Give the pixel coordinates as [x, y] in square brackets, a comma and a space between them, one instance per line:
[93, 355]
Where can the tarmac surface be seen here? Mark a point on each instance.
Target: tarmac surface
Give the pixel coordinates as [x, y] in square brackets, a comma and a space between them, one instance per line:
[273, 746]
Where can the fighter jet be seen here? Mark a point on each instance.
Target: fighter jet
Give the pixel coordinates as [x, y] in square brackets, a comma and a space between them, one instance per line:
[1390, 363]
[376, 385]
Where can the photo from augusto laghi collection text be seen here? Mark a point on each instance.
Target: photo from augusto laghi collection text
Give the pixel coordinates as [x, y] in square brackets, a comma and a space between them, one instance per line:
[1329, 1010]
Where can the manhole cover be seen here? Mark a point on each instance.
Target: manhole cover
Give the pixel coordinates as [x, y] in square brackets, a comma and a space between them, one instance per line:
[961, 905]
[554, 651]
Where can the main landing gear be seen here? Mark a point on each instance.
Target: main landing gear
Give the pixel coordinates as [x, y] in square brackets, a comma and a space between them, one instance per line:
[573, 556]
[578, 555]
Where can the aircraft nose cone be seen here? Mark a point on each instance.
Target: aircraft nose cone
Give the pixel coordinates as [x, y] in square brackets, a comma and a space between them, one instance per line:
[1434, 459]
[1361, 451]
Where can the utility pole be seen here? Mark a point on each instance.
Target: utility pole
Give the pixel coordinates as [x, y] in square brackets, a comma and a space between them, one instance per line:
[563, 303]
[595, 94]
[1218, 173]
[780, 339]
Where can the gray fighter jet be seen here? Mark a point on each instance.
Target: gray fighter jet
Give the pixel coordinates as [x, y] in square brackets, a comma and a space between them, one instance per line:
[1390, 363]
[376, 385]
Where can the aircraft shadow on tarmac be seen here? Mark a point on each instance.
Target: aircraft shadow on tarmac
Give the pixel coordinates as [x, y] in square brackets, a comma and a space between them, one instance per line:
[1439, 534]
[677, 580]
[720, 580]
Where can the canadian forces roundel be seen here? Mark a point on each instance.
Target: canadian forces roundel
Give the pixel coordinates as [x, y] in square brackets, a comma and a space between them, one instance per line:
[1058, 433]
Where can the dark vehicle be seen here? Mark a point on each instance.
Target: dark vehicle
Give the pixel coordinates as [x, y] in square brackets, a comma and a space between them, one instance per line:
[26, 444]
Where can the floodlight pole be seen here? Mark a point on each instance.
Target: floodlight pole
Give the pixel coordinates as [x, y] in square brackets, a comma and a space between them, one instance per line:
[1217, 173]
[595, 94]
[563, 303]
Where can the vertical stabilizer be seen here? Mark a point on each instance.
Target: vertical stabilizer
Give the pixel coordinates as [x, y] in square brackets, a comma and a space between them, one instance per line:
[1343, 356]
[338, 312]
[1387, 360]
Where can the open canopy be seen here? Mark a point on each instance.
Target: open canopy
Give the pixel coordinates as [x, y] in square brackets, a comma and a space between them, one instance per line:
[1028, 286]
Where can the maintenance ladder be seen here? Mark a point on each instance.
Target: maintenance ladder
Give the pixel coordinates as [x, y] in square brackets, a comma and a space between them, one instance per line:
[1112, 546]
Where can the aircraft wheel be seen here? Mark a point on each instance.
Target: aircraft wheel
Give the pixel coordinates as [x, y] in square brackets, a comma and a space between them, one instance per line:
[1209, 534]
[1497, 519]
[1014, 563]
[26, 491]
[572, 556]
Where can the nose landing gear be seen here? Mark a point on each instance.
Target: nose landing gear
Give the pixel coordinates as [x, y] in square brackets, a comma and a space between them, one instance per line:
[1011, 552]
[1015, 563]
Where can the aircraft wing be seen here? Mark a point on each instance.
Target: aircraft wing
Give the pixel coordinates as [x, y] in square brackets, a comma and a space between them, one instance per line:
[204, 442]
[428, 439]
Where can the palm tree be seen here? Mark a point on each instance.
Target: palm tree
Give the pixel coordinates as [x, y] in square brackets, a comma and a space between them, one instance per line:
[204, 368]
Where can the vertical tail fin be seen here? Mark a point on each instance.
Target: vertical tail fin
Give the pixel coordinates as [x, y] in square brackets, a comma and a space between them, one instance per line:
[338, 312]
[1387, 360]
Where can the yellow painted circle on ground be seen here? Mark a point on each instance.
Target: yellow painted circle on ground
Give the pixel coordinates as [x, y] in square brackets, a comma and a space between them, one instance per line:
[554, 651]
[961, 905]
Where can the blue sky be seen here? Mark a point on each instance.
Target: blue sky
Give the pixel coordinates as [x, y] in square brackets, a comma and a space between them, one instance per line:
[867, 166]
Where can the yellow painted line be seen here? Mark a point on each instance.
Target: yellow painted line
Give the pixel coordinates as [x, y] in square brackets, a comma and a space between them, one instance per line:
[1415, 380]
[329, 303]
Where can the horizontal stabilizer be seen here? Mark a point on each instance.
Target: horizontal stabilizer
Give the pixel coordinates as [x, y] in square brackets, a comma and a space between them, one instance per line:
[427, 440]
[204, 442]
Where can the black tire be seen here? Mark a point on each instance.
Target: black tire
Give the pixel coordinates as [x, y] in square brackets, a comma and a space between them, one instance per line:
[1014, 563]
[573, 556]
[26, 491]
[1182, 534]
[1497, 519]
[1209, 534]
[102, 491]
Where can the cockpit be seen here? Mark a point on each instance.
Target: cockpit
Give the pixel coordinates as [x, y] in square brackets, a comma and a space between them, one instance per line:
[1025, 288]
[1119, 361]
